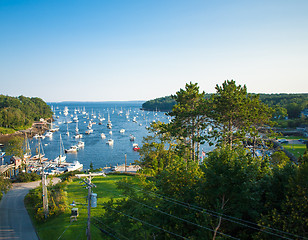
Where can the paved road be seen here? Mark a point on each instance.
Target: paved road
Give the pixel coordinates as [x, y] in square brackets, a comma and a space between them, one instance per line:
[15, 222]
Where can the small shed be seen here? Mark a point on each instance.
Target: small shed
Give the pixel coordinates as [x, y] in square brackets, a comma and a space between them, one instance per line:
[16, 160]
[75, 212]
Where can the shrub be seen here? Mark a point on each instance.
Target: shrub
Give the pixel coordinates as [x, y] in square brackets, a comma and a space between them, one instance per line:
[27, 177]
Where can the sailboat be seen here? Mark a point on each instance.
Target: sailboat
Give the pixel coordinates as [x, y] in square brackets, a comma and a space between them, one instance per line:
[109, 124]
[27, 154]
[62, 156]
[77, 132]
[77, 129]
[53, 129]
[67, 132]
[41, 154]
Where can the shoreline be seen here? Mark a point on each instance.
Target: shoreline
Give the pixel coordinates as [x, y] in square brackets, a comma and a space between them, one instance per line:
[30, 132]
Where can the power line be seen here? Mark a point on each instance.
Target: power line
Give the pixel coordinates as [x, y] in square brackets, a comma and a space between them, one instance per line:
[147, 223]
[104, 231]
[224, 216]
[181, 219]
[65, 230]
[109, 228]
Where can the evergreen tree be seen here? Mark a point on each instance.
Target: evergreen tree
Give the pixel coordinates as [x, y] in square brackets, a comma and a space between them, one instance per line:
[189, 118]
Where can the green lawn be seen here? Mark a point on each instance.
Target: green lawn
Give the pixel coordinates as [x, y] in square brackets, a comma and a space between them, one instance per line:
[105, 190]
[292, 137]
[296, 149]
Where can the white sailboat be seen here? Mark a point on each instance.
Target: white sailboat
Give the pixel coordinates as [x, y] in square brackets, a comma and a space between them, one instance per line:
[109, 124]
[67, 132]
[77, 129]
[110, 142]
[62, 156]
[80, 144]
[27, 154]
[40, 152]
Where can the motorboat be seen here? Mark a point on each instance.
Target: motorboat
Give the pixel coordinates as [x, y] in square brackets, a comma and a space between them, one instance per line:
[49, 134]
[136, 147]
[80, 144]
[89, 131]
[78, 136]
[110, 142]
[76, 165]
[122, 130]
[103, 136]
[132, 137]
[72, 149]
[37, 136]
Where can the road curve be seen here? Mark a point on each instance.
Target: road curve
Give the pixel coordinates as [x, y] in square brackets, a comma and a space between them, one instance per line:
[15, 222]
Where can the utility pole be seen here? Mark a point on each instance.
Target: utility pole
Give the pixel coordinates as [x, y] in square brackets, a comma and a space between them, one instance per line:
[89, 185]
[125, 164]
[89, 206]
[45, 194]
[44, 186]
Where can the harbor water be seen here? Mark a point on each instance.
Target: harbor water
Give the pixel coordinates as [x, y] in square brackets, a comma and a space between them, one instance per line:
[123, 115]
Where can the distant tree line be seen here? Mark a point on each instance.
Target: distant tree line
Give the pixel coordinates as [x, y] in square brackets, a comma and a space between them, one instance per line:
[285, 105]
[293, 103]
[20, 112]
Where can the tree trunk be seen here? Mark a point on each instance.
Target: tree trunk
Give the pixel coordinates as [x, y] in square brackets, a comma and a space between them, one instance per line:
[219, 221]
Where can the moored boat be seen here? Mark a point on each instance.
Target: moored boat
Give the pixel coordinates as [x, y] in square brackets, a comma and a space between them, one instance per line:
[80, 144]
[76, 165]
[136, 147]
[72, 149]
[110, 142]
[132, 137]
[62, 156]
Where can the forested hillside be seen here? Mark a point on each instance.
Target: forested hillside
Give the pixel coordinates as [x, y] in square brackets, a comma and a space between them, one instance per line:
[20, 112]
[289, 104]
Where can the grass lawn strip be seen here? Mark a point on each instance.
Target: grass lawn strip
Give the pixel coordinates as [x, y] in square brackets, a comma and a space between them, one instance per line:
[61, 225]
[296, 149]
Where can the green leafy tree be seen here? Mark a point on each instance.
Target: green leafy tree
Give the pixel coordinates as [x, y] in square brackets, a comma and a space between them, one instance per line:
[15, 147]
[158, 150]
[230, 186]
[290, 210]
[279, 159]
[5, 186]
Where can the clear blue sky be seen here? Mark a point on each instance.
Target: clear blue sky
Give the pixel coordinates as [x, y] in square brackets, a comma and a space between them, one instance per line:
[101, 50]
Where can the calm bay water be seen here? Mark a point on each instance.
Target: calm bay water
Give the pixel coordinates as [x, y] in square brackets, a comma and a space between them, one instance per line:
[96, 150]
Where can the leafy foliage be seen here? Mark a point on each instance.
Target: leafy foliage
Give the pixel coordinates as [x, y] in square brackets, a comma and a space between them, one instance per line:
[20, 112]
[27, 177]
[57, 200]
[232, 194]
[15, 147]
[5, 185]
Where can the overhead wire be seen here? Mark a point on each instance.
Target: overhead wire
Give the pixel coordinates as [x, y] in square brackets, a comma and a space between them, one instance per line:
[136, 219]
[225, 217]
[181, 219]
[110, 228]
[104, 231]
